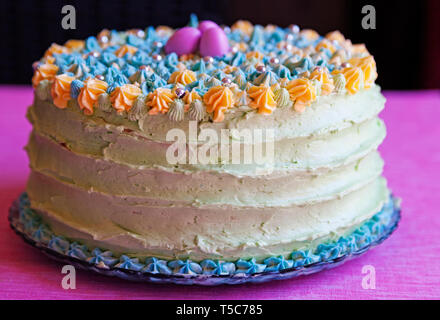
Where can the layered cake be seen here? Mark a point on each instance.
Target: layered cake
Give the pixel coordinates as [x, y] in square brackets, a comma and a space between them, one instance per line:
[123, 173]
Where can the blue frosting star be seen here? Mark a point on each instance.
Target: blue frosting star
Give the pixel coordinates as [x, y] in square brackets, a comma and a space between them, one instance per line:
[99, 257]
[42, 234]
[185, 267]
[59, 244]
[302, 258]
[78, 251]
[249, 267]
[217, 267]
[277, 263]
[129, 263]
[154, 265]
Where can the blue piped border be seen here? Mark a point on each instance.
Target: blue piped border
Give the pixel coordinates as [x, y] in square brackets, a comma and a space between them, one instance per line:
[27, 223]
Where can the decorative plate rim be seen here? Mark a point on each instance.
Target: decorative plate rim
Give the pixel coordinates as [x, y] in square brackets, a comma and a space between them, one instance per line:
[204, 279]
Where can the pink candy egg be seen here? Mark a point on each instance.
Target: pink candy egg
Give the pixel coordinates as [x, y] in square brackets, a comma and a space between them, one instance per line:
[214, 42]
[183, 41]
[206, 24]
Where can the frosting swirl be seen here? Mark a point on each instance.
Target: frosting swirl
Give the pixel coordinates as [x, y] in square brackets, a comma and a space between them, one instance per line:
[159, 100]
[89, 94]
[368, 66]
[302, 92]
[263, 99]
[46, 71]
[218, 99]
[323, 76]
[183, 77]
[123, 97]
[60, 90]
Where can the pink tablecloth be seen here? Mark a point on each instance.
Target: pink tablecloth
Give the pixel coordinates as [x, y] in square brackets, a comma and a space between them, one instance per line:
[407, 265]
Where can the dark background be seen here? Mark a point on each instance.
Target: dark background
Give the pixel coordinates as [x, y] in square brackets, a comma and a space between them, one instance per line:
[405, 44]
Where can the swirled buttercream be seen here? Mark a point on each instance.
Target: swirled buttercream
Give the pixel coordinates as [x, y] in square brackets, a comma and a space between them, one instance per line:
[354, 79]
[123, 97]
[89, 94]
[159, 100]
[368, 66]
[302, 92]
[263, 99]
[123, 50]
[217, 100]
[323, 76]
[45, 71]
[183, 77]
[60, 90]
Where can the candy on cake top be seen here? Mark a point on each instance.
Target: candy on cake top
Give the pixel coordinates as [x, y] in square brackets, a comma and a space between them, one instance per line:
[202, 68]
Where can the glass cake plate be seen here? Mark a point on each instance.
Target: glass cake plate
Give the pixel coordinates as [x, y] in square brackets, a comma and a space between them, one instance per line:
[28, 225]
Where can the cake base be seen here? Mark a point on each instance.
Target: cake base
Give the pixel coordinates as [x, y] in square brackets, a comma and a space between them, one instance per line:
[27, 224]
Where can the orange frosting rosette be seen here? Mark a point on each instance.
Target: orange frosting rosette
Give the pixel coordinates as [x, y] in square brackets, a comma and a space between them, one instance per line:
[245, 26]
[323, 76]
[184, 77]
[354, 79]
[89, 94]
[309, 34]
[123, 97]
[263, 99]
[335, 36]
[255, 54]
[218, 99]
[159, 100]
[123, 50]
[46, 71]
[325, 44]
[368, 66]
[75, 45]
[302, 92]
[60, 90]
[55, 48]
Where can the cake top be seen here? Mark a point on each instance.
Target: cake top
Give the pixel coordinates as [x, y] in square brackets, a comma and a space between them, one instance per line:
[202, 70]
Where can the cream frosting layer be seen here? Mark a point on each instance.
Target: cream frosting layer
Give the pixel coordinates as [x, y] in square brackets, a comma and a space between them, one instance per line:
[105, 181]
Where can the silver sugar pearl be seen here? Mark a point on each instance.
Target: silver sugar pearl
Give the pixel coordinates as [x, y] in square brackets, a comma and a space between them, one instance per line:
[157, 57]
[226, 81]
[94, 54]
[180, 92]
[289, 37]
[274, 60]
[103, 39]
[288, 47]
[140, 33]
[157, 44]
[234, 49]
[261, 68]
[294, 28]
[99, 77]
[208, 59]
[345, 65]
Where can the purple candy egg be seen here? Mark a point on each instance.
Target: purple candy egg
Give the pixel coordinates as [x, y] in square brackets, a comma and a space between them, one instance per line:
[206, 24]
[214, 43]
[183, 41]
